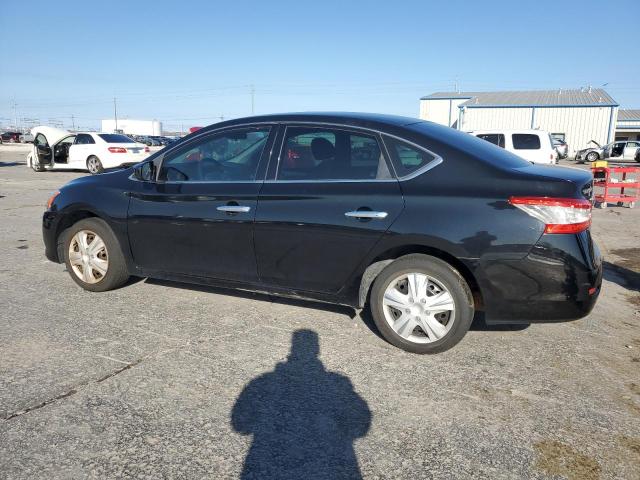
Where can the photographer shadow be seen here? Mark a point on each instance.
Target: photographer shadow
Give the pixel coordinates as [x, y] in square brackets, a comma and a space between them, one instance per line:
[303, 418]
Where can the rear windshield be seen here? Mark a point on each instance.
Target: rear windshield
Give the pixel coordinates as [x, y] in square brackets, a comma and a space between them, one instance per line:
[115, 138]
[467, 143]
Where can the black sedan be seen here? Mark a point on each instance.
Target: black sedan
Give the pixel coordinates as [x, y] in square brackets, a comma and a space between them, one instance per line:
[423, 224]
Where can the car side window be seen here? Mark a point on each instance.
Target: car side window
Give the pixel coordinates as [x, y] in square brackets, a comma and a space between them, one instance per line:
[317, 153]
[228, 156]
[84, 139]
[40, 140]
[407, 158]
[525, 141]
[495, 138]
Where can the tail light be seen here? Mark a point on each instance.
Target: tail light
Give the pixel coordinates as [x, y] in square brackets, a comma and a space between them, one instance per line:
[117, 150]
[560, 215]
[147, 149]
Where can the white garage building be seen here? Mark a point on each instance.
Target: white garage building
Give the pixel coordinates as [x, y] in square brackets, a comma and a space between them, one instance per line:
[576, 116]
[132, 127]
[628, 126]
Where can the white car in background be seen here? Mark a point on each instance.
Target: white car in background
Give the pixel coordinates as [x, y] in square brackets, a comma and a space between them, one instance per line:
[55, 149]
[535, 146]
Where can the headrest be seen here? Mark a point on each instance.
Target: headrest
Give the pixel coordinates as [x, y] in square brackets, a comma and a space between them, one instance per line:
[322, 149]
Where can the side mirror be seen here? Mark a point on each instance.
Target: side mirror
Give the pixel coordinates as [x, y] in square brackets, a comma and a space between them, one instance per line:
[145, 172]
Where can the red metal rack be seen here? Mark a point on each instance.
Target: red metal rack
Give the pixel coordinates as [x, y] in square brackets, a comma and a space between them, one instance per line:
[607, 178]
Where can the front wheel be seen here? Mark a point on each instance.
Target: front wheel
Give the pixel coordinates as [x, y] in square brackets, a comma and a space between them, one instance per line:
[421, 304]
[36, 167]
[592, 156]
[94, 165]
[93, 256]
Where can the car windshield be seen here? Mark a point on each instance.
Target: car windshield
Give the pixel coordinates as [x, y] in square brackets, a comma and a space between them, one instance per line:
[115, 138]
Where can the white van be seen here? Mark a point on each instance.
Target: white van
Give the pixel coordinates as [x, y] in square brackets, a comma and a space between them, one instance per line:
[533, 145]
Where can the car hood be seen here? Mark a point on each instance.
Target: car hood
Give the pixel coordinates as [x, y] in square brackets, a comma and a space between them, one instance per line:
[590, 149]
[52, 134]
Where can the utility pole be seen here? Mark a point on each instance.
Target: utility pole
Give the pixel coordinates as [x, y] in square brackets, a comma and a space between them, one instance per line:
[115, 112]
[15, 114]
[73, 123]
[253, 94]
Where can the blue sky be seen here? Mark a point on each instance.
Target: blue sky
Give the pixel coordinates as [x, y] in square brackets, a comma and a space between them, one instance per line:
[189, 63]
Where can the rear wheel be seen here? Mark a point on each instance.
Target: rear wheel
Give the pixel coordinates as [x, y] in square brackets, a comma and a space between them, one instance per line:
[421, 304]
[94, 165]
[93, 256]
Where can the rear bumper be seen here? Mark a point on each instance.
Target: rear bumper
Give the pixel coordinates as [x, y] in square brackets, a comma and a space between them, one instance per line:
[559, 280]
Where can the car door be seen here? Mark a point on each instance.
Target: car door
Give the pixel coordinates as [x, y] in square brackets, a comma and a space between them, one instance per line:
[81, 150]
[42, 152]
[328, 199]
[197, 218]
[62, 149]
[630, 150]
[614, 150]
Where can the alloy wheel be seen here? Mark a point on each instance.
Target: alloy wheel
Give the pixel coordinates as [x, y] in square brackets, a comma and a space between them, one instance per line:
[88, 256]
[93, 165]
[418, 307]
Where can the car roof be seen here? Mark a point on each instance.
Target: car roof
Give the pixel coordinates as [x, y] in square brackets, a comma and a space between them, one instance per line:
[371, 120]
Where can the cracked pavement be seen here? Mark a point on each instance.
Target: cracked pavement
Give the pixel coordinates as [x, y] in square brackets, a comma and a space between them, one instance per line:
[141, 382]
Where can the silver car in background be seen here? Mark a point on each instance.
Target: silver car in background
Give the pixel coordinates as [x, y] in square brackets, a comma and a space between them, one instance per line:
[621, 150]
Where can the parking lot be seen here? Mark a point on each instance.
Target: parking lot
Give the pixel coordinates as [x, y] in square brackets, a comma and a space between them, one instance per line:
[146, 381]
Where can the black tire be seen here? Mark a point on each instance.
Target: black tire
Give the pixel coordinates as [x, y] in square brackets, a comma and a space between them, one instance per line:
[592, 156]
[444, 274]
[36, 167]
[117, 274]
[98, 165]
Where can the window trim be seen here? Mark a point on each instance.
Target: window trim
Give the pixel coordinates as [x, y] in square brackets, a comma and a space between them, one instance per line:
[437, 159]
[272, 130]
[277, 129]
[377, 135]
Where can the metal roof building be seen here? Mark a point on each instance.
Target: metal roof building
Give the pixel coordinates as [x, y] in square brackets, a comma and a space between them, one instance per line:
[577, 116]
[628, 126]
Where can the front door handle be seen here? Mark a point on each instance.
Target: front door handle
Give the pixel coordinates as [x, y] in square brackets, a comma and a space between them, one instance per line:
[233, 209]
[366, 214]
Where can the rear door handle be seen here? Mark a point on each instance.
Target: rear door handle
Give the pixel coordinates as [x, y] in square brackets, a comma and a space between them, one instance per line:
[366, 214]
[233, 209]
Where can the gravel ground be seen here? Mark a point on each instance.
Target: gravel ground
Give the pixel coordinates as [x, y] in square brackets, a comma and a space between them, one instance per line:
[163, 380]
